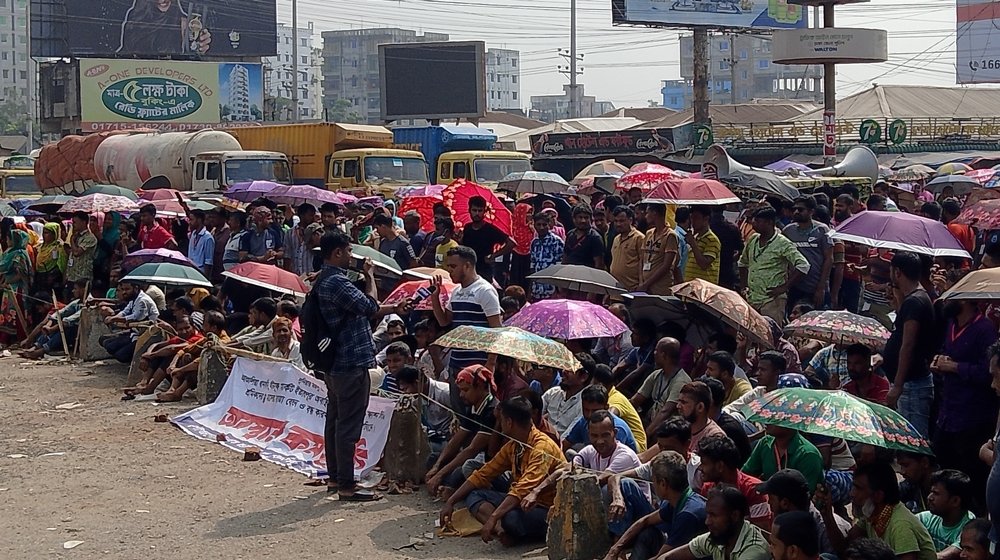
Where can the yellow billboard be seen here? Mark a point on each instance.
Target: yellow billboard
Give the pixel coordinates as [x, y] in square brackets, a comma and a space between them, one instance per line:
[167, 95]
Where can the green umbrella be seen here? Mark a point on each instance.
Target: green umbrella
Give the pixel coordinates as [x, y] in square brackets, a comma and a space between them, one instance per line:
[837, 414]
[384, 264]
[168, 273]
[114, 190]
[511, 342]
[199, 205]
[7, 210]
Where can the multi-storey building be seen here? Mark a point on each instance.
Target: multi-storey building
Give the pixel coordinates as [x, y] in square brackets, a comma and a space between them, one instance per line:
[503, 79]
[278, 70]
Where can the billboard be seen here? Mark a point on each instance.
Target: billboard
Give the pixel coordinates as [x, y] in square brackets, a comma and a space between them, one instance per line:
[977, 58]
[168, 95]
[772, 14]
[153, 28]
[634, 142]
[433, 80]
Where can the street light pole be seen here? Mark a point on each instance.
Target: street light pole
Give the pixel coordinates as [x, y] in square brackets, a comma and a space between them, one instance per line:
[295, 61]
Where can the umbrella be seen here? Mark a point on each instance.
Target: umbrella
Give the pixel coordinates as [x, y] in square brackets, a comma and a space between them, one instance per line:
[900, 232]
[579, 278]
[166, 208]
[511, 342]
[567, 319]
[839, 327]
[533, 182]
[837, 414]
[268, 277]
[295, 195]
[384, 264]
[423, 205]
[983, 215]
[592, 183]
[761, 182]
[786, 165]
[698, 325]
[456, 198]
[961, 184]
[114, 190]
[143, 256]
[603, 167]
[248, 192]
[408, 290]
[728, 306]
[50, 204]
[160, 194]
[168, 273]
[982, 175]
[912, 173]
[7, 210]
[952, 168]
[684, 192]
[645, 176]
[99, 203]
[200, 205]
[420, 190]
[426, 273]
[978, 284]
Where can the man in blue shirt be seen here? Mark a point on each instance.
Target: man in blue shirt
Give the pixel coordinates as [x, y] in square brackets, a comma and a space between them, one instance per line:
[348, 313]
[592, 399]
[262, 243]
[201, 244]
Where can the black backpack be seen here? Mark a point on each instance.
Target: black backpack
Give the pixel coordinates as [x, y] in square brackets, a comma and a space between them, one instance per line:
[318, 345]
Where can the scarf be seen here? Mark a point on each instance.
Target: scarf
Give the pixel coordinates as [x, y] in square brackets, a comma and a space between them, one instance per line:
[110, 233]
[50, 255]
[16, 259]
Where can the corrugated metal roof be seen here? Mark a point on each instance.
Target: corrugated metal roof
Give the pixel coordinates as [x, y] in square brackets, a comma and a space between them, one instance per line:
[644, 114]
[893, 101]
[739, 113]
[522, 143]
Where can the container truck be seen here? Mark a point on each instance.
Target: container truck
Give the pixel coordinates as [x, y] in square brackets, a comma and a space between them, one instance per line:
[202, 161]
[354, 158]
[459, 152]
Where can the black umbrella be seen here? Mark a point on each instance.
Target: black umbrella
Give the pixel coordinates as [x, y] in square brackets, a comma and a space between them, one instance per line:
[579, 278]
[698, 325]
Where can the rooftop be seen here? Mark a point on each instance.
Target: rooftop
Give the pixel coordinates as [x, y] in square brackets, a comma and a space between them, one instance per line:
[891, 101]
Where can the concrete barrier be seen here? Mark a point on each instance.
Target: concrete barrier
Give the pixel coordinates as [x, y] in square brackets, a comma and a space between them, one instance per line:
[92, 328]
[213, 370]
[149, 337]
[578, 521]
[406, 449]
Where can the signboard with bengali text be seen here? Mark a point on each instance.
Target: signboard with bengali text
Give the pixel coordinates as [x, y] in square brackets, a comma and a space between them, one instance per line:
[766, 14]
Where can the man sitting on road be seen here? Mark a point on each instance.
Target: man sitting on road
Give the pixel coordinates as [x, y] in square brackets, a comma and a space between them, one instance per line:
[139, 308]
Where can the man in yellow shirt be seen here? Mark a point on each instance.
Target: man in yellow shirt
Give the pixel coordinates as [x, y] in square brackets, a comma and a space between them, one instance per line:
[445, 228]
[721, 366]
[530, 456]
[626, 249]
[660, 253]
[703, 261]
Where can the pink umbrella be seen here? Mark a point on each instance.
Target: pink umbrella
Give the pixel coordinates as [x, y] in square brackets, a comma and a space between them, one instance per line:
[160, 194]
[422, 190]
[143, 256]
[268, 277]
[99, 203]
[645, 176]
[981, 175]
[690, 192]
[167, 208]
[295, 195]
[567, 319]
[248, 192]
[900, 232]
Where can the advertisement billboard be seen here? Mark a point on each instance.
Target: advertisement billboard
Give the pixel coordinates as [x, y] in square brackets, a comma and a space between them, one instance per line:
[168, 95]
[769, 14]
[433, 80]
[839, 45]
[977, 57]
[153, 28]
[636, 142]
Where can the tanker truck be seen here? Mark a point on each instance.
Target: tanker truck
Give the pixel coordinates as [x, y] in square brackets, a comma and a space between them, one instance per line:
[202, 161]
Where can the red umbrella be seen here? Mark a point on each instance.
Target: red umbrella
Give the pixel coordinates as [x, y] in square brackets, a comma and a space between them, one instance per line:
[269, 277]
[408, 290]
[166, 208]
[423, 205]
[691, 191]
[982, 215]
[457, 196]
[646, 176]
[160, 194]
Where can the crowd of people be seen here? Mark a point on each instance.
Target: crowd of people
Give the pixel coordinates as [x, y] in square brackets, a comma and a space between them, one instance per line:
[659, 416]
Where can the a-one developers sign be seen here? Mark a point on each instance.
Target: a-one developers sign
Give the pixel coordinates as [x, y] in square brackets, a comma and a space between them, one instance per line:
[831, 44]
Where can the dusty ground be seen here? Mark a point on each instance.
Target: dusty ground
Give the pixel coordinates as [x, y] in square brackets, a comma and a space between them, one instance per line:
[106, 474]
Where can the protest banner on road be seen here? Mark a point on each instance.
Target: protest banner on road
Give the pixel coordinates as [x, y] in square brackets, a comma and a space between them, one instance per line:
[281, 410]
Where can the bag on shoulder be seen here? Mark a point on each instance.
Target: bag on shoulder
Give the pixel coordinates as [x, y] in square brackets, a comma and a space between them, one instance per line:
[318, 349]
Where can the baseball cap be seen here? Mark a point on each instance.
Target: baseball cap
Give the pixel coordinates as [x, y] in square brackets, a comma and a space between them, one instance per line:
[785, 483]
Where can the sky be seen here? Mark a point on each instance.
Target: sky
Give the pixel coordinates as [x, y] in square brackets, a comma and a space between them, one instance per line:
[625, 64]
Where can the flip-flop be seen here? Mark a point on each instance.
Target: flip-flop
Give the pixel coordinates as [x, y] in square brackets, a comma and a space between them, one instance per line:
[360, 496]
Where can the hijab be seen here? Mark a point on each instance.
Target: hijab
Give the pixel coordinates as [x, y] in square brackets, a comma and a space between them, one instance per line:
[50, 258]
[17, 255]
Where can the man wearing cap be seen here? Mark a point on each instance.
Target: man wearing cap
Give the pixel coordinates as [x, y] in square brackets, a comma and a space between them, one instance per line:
[788, 491]
[262, 244]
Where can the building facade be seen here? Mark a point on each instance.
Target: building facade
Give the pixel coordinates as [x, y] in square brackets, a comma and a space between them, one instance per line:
[239, 95]
[741, 69]
[14, 52]
[350, 68]
[278, 76]
[551, 108]
[503, 79]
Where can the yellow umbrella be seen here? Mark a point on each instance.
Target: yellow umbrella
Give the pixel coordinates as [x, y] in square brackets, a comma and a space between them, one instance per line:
[953, 168]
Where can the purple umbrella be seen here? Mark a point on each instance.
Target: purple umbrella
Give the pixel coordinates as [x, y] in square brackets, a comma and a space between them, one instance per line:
[567, 319]
[143, 256]
[248, 192]
[785, 165]
[300, 194]
[900, 232]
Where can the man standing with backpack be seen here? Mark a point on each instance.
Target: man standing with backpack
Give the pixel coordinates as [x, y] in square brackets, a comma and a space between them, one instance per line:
[337, 341]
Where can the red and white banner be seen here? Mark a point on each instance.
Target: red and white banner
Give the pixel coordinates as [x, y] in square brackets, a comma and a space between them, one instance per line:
[281, 410]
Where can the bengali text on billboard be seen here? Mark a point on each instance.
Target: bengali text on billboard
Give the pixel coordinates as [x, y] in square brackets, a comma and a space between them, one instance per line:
[772, 14]
[168, 95]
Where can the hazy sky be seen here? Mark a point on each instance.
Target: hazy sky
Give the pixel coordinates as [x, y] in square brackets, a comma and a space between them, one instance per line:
[626, 64]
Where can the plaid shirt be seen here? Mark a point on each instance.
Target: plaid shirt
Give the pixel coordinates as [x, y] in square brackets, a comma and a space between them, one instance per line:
[545, 252]
[347, 311]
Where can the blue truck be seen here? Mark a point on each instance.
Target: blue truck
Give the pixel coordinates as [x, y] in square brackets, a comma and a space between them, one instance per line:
[460, 152]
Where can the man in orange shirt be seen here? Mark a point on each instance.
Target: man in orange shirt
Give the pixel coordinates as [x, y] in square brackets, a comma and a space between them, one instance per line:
[950, 208]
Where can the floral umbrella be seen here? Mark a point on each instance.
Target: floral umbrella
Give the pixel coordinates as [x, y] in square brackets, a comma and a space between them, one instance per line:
[511, 342]
[248, 192]
[420, 190]
[728, 306]
[456, 198]
[837, 414]
[912, 173]
[983, 215]
[408, 290]
[981, 175]
[839, 327]
[646, 176]
[99, 203]
[568, 319]
[423, 205]
[295, 195]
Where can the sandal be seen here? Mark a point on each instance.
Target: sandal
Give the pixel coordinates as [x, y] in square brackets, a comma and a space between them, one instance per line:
[360, 496]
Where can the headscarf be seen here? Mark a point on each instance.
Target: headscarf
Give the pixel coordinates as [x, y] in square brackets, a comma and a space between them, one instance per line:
[197, 294]
[390, 205]
[31, 242]
[50, 256]
[470, 374]
[16, 259]
[110, 232]
[38, 228]
[521, 228]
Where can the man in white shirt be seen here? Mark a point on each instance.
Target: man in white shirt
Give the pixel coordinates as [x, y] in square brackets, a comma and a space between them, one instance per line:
[562, 404]
[139, 309]
[285, 345]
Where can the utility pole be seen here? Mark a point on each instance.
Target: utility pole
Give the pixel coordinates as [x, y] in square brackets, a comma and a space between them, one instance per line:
[32, 97]
[700, 72]
[572, 71]
[829, 82]
[732, 69]
[574, 99]
[295, 61]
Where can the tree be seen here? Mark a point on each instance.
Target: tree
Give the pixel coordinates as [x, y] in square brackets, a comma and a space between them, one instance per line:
[342, 110]
[256, 113]
[13, 118]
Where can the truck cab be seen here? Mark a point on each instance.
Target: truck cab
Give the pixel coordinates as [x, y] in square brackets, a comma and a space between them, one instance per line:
[366, 171]
[217, 171]
[485, 168]
[18, 183]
